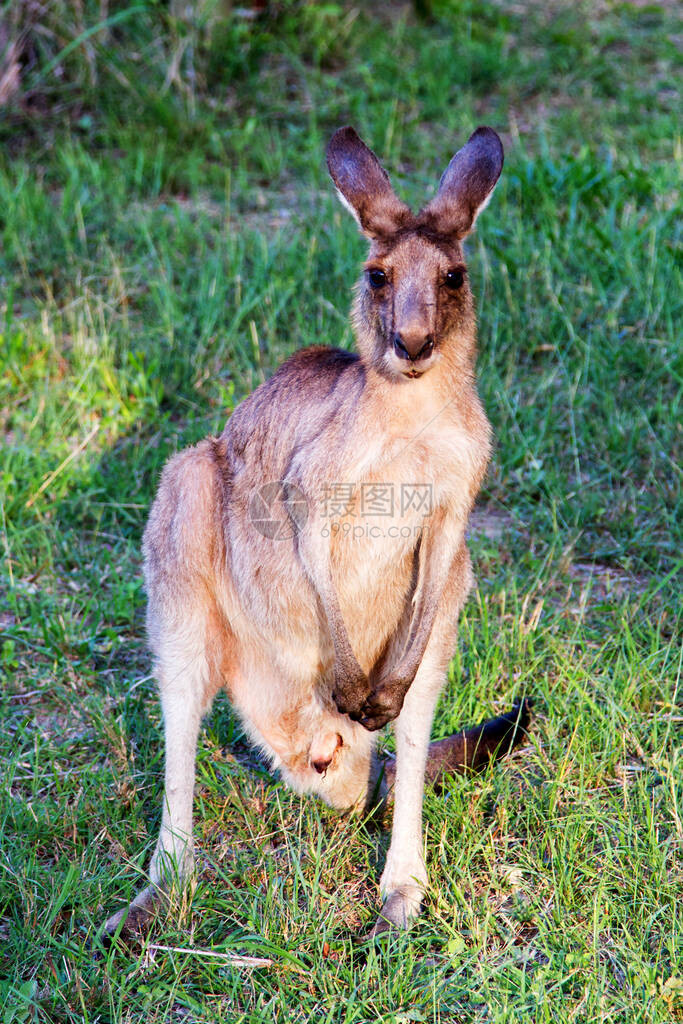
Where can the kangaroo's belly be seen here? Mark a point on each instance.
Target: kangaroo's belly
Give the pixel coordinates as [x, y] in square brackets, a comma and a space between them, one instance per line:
[375, 581]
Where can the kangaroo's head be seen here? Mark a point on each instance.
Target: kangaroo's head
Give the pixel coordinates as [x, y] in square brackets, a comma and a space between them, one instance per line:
[414, 304]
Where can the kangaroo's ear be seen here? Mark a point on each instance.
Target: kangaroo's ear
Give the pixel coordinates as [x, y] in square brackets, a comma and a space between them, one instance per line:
[466, 186]
[363, 185]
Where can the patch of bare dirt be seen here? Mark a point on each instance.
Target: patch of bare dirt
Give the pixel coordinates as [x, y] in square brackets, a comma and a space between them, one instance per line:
[270, 209]
[605, 581]
[492, 523]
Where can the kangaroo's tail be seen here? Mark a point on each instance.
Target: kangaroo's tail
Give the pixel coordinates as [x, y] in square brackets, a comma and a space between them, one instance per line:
[473, 748]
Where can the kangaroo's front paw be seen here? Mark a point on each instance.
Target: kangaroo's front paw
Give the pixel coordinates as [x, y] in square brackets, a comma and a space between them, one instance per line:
[384, 703]
[350, 693]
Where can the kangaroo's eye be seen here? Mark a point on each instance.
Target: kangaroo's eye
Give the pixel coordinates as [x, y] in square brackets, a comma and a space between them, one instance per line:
[377, 278]
[454, 279]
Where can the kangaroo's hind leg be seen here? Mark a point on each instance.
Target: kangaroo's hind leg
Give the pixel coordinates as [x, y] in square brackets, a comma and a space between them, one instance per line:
[185, 697]
[194, 651]
[188, 679]
[404, 878]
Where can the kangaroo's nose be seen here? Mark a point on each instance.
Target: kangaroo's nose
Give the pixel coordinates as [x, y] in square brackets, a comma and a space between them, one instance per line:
[413, 346]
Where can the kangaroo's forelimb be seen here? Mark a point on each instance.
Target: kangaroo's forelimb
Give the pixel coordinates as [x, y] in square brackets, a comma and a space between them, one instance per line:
[441, 557]
[350, 687]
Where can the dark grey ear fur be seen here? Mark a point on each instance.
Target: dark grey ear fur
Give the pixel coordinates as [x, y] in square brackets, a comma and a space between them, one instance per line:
[364, 185]
[466, 185]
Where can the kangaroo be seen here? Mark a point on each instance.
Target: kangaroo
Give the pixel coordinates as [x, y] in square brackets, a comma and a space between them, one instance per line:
[311, 560]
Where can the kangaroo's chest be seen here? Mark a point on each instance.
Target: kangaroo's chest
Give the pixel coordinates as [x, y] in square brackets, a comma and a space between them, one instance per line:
[386, 494]
[375, 519]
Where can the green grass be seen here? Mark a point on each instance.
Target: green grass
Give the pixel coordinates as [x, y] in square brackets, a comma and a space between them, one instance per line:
[165, 242]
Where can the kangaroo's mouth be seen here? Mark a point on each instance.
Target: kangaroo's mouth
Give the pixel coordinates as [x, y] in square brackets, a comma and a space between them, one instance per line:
[407, 370]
